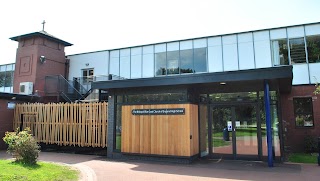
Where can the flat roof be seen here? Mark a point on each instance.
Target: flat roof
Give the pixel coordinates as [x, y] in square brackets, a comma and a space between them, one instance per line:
[19, 97]
[280, 77]
[41, 34]
[264, 29]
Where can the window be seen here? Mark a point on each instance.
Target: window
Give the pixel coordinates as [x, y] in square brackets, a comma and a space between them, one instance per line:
[303, 111]
[200, 60]
[280, 52]
[160, 63]
[313, 48]
[297, 50]
[173, 62]
[87, 75]
[186, 61]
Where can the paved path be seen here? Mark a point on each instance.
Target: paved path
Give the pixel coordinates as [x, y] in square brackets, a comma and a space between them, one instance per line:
[100, 168]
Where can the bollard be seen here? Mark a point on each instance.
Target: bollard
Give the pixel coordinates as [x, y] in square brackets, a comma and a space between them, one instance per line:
[319, 151]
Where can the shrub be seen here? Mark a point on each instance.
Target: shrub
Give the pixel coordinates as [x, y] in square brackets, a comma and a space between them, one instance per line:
[310, 144]
[22, 146]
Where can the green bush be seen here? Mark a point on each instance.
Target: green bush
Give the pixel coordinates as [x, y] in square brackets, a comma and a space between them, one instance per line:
[310, 144]
[22, 146]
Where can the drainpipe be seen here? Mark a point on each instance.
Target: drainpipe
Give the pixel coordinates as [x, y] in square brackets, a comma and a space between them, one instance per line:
[268, 122]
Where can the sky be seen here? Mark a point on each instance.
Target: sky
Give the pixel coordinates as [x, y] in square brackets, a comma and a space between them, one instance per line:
[108, 24]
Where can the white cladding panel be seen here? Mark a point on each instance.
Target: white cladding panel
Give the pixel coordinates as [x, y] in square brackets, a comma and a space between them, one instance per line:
[262, 52]
[312, 29]
[215, 59]
[278, 34]
[314, 72]
[300, 74]
[8, 89]
[294, 32]
[125, 52]
[230, 57]
[229, 39]
[148, 65]
[136, 51]
[214, 41]
[96, 60]
[114, 53]
[246, 55]
[244, 37]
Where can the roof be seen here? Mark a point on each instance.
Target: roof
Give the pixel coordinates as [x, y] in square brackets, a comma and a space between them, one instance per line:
[41, 34]
[19, 97]
[209, 36]
[279, 77]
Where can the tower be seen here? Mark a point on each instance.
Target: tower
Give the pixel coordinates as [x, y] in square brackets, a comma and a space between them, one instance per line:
[39, 54]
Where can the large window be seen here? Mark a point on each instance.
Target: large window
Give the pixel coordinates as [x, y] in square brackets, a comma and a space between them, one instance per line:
[297, 50]
[280, 52]
[173, 62]
[160, 63]
[200, 60]
[186, 61]
[303, 111]
[313, 47]
[87, 75]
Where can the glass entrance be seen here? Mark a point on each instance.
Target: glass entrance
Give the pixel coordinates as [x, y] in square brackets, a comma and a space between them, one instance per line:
[234, 131]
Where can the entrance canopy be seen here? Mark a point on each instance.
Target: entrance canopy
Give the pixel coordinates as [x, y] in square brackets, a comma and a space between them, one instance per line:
[279, 78]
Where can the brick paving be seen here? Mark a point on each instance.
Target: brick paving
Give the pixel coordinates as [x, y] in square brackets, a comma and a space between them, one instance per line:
[100, 168]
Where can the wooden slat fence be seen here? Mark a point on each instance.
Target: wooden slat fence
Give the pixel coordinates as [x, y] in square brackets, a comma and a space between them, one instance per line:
[67, 124]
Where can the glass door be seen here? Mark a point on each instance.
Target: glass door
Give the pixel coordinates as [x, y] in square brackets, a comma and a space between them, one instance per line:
[235, 133]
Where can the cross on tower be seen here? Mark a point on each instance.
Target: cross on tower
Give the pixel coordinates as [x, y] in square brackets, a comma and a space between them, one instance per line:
[44, 22]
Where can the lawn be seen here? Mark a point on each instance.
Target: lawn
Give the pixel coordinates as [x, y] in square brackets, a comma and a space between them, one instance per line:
[241, 132]
[217, 142]
[41, 171]
[303, 157]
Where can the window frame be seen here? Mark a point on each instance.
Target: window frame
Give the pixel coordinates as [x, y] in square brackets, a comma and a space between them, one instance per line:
[304, 113]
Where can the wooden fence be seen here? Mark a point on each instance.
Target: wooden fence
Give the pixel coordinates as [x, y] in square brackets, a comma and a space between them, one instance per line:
[67, 124]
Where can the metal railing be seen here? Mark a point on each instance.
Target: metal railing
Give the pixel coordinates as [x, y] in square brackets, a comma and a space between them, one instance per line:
[70, 90]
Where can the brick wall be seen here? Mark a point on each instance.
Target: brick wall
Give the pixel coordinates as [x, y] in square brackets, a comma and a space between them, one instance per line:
[294, 136]
[6, 121]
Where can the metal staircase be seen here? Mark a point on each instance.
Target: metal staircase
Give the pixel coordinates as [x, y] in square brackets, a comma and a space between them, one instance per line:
[66, 90]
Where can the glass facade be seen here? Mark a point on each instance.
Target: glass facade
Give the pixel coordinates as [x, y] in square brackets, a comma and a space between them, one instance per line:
[313, 48]
[280, 52]
[237, 124]
[6, 78]
[297, 50]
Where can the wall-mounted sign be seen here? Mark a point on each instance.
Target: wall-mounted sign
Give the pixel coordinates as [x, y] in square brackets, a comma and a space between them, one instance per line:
[11, 105]
[173, 111]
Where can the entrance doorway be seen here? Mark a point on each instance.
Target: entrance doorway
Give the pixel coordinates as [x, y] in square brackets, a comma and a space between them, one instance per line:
[235, 131]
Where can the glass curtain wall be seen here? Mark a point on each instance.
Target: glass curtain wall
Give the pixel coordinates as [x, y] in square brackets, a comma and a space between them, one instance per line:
[313, 48]
[6, 78]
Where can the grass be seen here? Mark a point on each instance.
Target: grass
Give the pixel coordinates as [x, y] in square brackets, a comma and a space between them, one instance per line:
[217, 142]
[303, 157]
[242, 132]
[16, 171]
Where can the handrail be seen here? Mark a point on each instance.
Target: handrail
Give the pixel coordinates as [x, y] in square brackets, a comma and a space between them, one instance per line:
[65, 88]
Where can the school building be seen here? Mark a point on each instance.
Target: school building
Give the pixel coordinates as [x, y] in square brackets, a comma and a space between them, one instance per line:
[246, 95]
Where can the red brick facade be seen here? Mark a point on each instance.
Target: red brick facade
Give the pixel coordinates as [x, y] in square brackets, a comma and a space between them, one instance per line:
[6, 121]
[30, 69]
[294, 136]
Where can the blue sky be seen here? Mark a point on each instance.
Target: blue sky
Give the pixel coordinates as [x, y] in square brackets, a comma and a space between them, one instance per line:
[99, 25]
